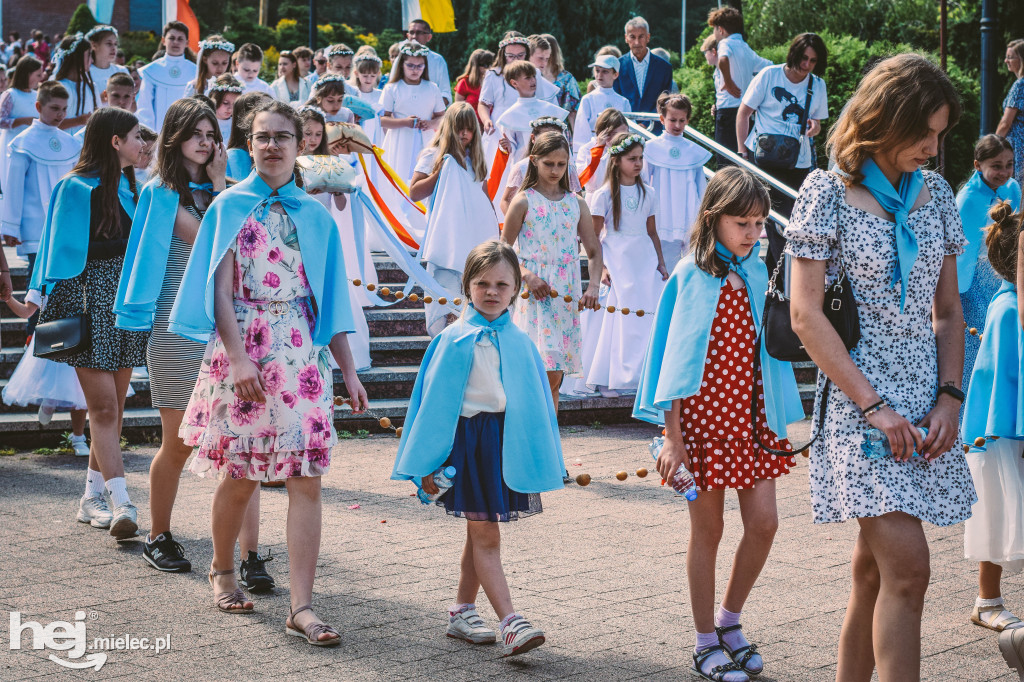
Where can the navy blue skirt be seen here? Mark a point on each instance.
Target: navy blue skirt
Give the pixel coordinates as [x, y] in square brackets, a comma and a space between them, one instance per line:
[479, 492]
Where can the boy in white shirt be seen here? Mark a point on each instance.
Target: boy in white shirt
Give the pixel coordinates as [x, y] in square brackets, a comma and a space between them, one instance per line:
[606, 70]
[736, 66]
[164, 80]
[248, 62]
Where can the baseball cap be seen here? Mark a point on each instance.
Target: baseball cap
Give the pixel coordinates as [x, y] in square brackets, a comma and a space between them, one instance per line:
[606, 61]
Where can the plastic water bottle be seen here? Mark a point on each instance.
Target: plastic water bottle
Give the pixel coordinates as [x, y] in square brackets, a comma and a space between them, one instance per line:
[442, 479]
[682, 482]
[876, 443]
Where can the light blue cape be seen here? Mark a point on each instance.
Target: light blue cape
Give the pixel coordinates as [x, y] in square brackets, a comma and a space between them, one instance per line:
[319, 242]
[145, 261]
[531, 448]
[995, 402]
[674, 365]
[974, 200]
[239, 163]
[64, 244]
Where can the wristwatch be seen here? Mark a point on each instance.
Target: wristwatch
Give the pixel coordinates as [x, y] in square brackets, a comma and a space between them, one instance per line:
[951, 391]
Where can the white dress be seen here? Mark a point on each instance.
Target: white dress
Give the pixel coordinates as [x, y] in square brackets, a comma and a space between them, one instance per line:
[896, 352]
[674, 167]
[636, 284]
[90, 101]
[13, 104]
[402, 146]
[994, 532]
[498, 95]
[163, 81]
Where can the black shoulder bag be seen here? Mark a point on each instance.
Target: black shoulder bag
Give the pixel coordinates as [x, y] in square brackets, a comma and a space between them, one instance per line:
[57, 339]
[776, 151]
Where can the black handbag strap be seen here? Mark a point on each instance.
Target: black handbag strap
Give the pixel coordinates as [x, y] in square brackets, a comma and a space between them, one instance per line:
[806, 115]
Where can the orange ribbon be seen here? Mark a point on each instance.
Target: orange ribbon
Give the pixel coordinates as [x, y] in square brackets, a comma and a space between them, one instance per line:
[396, 225]
[595, 160]
[497, 171]
[395, 180]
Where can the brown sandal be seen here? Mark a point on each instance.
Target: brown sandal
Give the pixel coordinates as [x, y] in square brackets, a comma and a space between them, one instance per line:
[228, 602]
[312, 631]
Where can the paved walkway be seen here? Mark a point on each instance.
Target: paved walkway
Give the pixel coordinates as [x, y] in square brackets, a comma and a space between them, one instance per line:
[601, 570]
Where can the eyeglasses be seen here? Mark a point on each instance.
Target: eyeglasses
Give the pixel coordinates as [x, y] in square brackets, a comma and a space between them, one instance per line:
[321, 61]
[262, 140]
[415, 67]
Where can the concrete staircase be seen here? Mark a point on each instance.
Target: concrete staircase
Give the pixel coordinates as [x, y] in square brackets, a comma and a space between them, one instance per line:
[397, 343]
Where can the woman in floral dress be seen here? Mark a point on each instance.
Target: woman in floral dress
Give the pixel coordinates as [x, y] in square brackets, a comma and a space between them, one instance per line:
[268, 263]
[543, 223]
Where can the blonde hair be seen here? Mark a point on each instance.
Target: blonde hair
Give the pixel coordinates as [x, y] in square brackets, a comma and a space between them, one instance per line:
[890, 110]
[556, 64]
[1001, 239]
[460, 116]
[608, 120]
[732, 191]
[1018, 48]
[613, 178]
[545, 144]
[483, 258]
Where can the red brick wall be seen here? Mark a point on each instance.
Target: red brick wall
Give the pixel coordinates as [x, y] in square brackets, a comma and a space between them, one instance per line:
[51, 16]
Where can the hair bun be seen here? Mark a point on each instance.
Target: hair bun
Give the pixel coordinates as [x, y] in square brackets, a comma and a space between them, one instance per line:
[1001, 212]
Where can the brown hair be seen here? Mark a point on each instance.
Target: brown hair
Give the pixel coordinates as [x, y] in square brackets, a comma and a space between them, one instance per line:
[479, 59]
[609, 49]
[240, 119]
[519, 69]
[180, 123]
[732, 191]
[728, 19]
[310, 114]
[890, 110]
[75, 61]
[612, 178]
[400, 62]
[294, 71]
[26, 66]
[120, 79]
[538, 42]
[990, 146]
[669, 100]
[249, 52]
[100, 160]
[487, 255]
[499, 61]
[51, 90]
[1002, 239]
[224, 80]
[800, 45]
[1018, 47]
[202, 70]
[556, 64]
[303, 52]
[608, 120]
[460, 116]
[544, 144]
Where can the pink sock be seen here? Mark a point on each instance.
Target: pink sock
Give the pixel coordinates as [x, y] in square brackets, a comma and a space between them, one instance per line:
[456, 609]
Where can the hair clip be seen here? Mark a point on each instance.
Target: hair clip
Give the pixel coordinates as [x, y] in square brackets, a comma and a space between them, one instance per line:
[339, 52]
[210, 45]
[410, 51]
[100, 28]
[515, 40]
[367, 58]
[549, 121]
[630, 140]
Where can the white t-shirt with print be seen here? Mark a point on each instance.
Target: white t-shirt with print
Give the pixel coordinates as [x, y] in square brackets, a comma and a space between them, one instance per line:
[779, 103]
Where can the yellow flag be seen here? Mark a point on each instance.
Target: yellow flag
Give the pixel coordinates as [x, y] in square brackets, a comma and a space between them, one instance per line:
[438, 13]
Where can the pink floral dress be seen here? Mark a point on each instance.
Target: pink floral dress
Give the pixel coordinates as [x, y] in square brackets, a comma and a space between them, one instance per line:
[292, 433]
[547, 246]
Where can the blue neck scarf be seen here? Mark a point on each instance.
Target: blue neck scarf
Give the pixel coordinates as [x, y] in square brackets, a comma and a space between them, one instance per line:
[200, 187]
[899, 205]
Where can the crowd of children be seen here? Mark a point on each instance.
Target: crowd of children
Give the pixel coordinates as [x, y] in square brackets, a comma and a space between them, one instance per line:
[204, 257]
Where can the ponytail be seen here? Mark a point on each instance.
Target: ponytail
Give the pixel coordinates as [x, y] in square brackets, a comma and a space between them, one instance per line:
[1001, 240]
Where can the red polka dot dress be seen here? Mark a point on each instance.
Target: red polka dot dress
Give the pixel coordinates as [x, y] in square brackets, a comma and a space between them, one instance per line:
[716, 421]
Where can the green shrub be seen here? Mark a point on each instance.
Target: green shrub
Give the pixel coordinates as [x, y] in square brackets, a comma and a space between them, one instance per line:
[141, 44]
[81, 21]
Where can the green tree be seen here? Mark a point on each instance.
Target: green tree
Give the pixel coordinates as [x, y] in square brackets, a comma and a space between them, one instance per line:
[81, 21]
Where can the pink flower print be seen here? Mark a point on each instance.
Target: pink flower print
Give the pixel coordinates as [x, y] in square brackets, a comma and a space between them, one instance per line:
[302, 277]
[311, 384]
[273, 377]
[296, 338]
[267, 432]
[320, 456]
[275, 255]
[257, 339]
[252, 238]
[236, 283]
[271, 280]
[542, 211]
[198, 415]
[245, 412]
[236, 471]
[316, 426]
[219, 366]
[289, 398]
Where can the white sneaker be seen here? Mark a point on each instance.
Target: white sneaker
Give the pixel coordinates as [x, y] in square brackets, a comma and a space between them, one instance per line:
[45, 413]
[126, 522]
[519, 636]
[468, 625]
[80, 446]
[94, 511]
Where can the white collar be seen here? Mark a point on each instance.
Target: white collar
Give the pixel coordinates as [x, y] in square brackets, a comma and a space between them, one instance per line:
[647, 57]
[177, 58]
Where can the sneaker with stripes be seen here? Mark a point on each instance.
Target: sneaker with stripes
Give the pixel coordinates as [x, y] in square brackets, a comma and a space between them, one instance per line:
[468, 625]
[519, 636]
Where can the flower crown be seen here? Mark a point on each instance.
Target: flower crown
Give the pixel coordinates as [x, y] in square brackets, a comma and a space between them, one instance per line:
[410, 51]
[100, 28]
[226, 87]
[59, 55]
[514, 40]
[549, 121]
[316, 110]
[367, 58]
[628, 142]
[211, 45]
[329, 78]
[339, 52]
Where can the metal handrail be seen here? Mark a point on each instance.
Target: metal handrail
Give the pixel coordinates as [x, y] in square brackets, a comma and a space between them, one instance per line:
[780, 220]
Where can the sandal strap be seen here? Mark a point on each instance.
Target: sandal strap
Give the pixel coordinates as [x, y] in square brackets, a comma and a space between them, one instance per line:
[307, 607]
[728, 628]
[228, 599]
[229, 571]
[719, 671]
[314, 630]
[744, 654]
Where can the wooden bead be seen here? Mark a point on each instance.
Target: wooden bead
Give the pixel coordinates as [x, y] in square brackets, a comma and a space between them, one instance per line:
[399, 295]
[967, 448]
[625, 311]
[979, 442]
[384, 422]
[611, 309]
[583, 480]
[384, 291]
[442, 301]
[339, 401]
[414, 297]
[524, 295]
[640, 313]
[568, 298]
[553, 294]
[641, 472]
[371, 287]
[357, 282]
[974, 331]
[622, 475]
[428, 299]
[457, 301]
[398, 432]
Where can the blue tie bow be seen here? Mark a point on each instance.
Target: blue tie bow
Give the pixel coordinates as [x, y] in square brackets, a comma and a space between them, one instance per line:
[263, 208]
[200, 187]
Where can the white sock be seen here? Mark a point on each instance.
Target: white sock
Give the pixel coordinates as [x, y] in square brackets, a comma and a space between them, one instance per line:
[995, 616]
[118, 490]
[77, 439]
[93, 483]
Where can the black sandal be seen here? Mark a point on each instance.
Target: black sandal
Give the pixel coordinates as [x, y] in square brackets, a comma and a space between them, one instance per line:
[716, 674]
[742, 655]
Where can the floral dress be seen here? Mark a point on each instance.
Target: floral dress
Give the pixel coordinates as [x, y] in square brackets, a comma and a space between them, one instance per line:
[547, 247]
[291, 434]
[896, 352]
[1015, 100]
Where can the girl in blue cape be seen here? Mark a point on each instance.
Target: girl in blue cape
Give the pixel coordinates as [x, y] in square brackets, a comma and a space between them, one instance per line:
[991, 183]
[266, 286]
[487, 412]
[994, 411]
[81, 249]
[696, 380]
[239, 159]
[189, 173]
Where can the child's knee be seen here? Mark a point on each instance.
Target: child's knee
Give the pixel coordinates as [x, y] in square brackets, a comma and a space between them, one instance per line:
[709, 534]
[484, 535]
[762, 527]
